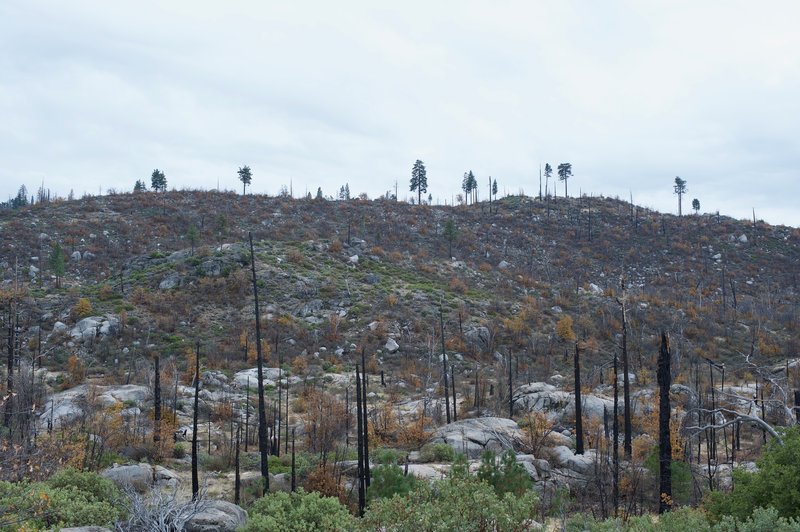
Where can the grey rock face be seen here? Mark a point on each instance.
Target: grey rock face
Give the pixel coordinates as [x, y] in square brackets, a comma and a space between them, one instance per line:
[473, 436]
[169, 282]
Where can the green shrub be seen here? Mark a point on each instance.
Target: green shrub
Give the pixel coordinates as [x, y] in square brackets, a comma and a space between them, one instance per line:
[456, 503]
[436, 452]
[388, 480]
[683, 519]
[386, 456]
[681, 476]
[97, 487]
[68, 499]
[776, 483]
[299, 511]
[179, 450]
[762, 520]
[505, 475]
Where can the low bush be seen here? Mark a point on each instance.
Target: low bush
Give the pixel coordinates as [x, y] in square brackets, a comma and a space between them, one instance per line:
[299, 511]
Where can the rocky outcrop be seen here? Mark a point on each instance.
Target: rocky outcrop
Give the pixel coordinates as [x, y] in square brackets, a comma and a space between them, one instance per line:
[217, 516]
[478, 338]
[141, 477]
[474, 436]
[88, 328]
[559, 405]
[67, 406]
[240, 379]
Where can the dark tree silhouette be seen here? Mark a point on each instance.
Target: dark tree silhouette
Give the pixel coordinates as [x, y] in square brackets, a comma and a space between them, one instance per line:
[158, 181]
[419, 180]
[450, 233]
[696, 205]
[469, 184]
[245, 176]
[57, 263]
[548, 173]
[564, 173]
[680, 189]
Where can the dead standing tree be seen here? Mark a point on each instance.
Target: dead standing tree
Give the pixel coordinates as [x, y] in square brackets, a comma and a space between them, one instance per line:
[664, 378]
[626, 387]
[263, 448]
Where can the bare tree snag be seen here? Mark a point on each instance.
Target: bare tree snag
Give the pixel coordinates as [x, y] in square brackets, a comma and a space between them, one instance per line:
[444, 368]
[664, 378]
[578, 406]
[195, 480]
[263, 449]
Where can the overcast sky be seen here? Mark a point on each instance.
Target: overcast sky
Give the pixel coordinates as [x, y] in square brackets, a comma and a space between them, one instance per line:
[96, 94]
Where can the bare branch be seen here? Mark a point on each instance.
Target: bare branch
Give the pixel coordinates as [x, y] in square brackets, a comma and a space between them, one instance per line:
[738, 418]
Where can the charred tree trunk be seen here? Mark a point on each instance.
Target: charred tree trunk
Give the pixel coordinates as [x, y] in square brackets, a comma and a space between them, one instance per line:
[664, 378]
[263, 448]
[626, 385]
[294, 478]
[247, 414]
[280, 410]
[444, 368]
[365, 436]
[286, 420]
[157, 403]
[10, 374]
[510, 390]
[615, 434]
[797, 406]
[453, 384]
[360, 445]
[578, 406]
[195, 481]
[237, 483]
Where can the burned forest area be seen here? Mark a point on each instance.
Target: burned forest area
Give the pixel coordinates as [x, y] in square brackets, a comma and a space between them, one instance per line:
[204, 360]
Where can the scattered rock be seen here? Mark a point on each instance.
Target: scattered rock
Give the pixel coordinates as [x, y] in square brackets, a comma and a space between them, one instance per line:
[563, 456]
[140, 477]
[503, 265]
[211, 268]
[169, 282]
[743, 238]
[372, 278]
[391, 346]
[217, 516]
[594, 289]
[76, 256]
